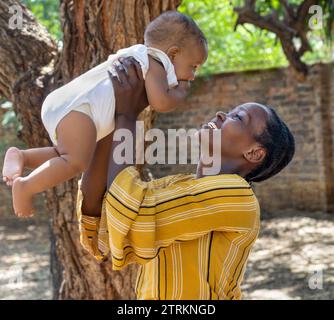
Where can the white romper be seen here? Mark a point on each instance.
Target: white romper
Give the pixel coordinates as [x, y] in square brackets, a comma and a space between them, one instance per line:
[93, 93]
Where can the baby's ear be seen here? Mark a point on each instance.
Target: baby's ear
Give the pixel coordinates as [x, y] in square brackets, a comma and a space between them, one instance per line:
[172, 51]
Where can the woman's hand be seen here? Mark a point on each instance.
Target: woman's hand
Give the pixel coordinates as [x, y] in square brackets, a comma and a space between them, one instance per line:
[129, 87]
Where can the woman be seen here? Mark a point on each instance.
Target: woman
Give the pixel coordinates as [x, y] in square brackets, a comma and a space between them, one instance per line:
[190, 234]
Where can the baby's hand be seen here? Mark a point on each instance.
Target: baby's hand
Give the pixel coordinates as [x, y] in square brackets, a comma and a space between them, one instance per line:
[184, 84]
[183, 88]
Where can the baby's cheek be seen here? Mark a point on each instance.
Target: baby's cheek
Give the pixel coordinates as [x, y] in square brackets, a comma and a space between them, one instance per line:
[179, 67]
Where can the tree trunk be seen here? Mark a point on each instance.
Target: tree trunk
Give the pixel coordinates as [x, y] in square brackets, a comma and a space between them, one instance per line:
[30, 67]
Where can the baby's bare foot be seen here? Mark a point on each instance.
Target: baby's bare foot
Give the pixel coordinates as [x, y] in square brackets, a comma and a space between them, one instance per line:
[22, 198]
[13, 165]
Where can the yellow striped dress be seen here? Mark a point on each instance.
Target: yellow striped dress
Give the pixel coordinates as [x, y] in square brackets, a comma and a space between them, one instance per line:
[191, 237]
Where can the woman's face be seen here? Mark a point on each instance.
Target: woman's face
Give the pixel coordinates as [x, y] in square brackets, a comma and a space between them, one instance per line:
[237, 132]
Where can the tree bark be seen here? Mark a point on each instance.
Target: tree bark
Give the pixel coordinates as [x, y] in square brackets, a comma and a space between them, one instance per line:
[31, 66]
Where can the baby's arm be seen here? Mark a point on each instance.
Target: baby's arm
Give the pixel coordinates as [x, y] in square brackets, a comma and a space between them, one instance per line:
[160, 97]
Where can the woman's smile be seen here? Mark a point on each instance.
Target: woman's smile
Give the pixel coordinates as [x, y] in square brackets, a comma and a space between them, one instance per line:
[215, 123]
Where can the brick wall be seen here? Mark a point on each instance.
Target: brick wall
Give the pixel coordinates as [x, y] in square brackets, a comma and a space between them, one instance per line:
[308, 109]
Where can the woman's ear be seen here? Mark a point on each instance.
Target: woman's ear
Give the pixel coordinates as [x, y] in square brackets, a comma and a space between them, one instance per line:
[172, 51]
[256, 154]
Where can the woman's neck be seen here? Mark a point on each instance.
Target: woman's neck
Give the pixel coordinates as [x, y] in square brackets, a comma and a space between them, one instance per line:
[203, 171]
[227, 167]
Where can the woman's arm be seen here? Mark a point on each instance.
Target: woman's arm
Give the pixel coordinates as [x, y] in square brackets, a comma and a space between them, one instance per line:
[114, 168]
[131, 99]
[94, 179]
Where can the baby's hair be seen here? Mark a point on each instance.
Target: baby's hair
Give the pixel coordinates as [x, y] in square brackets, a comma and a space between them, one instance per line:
[279, 143]
[173, 28]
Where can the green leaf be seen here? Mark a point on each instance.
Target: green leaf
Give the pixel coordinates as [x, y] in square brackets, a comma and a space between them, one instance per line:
[8, 118]
[6, 105]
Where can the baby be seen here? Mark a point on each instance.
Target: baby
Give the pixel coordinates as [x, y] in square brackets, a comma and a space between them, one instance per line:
[81, 113]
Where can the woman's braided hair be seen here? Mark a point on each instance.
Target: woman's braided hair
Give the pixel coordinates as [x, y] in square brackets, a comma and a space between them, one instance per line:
[279, 143]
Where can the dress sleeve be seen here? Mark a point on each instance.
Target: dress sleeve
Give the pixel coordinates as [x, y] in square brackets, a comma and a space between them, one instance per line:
[140, 218]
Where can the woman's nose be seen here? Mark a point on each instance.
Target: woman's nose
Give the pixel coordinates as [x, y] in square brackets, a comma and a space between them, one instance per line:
[221, 115]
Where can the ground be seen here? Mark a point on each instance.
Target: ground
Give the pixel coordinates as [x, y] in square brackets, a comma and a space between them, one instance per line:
[292, 259]
[24, 259]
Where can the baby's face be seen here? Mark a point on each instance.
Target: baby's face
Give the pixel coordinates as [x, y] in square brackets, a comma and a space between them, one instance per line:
[189, 59]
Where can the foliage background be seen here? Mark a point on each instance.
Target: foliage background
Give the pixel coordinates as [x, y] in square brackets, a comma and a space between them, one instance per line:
[230, 50]
[246, 48]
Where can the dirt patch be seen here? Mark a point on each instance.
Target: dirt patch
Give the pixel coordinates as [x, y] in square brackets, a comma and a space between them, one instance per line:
[24, 243]
[24, 259]
[293, 258]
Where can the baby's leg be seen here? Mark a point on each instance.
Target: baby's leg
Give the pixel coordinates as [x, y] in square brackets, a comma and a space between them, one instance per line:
[76, 142]
[94, 180]
[16, 160]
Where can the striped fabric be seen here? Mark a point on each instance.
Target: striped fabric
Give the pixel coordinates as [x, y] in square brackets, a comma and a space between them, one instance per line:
[191, 237]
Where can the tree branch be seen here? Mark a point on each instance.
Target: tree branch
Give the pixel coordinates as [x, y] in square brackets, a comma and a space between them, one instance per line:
[23, 49]
[269, 22]
[293, 26]
[289, 11]
[302, 13]
[25, 53]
